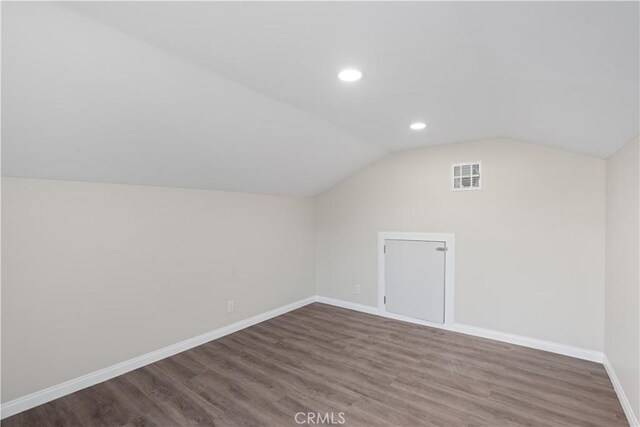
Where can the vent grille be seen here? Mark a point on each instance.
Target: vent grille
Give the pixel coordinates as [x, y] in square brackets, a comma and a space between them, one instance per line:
[466, 176]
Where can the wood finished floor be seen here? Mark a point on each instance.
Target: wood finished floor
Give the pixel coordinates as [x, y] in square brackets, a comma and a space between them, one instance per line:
[319, 358]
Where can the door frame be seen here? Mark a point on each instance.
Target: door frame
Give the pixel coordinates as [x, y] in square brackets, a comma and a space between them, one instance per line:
[449, 273]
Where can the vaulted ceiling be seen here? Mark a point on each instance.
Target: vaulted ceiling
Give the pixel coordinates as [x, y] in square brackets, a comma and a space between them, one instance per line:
[244, 96]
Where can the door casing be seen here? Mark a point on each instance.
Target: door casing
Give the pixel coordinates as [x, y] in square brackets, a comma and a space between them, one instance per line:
[449, 239]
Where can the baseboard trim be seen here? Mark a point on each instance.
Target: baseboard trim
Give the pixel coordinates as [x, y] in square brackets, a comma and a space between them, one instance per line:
[553, 347]
[43, 396]
[626, 406]
[349, 305]
[567, 350]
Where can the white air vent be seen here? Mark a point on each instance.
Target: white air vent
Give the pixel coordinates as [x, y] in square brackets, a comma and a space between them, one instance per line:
[466, 176]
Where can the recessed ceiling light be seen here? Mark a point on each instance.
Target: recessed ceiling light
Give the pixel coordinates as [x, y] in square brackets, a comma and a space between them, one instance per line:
[418, 126]
[350, 75]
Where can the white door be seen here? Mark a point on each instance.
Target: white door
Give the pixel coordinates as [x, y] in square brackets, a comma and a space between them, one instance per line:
[414, 279]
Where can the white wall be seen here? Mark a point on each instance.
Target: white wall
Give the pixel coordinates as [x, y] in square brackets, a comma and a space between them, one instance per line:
[622, 302]
[95, 274]
[529, 246]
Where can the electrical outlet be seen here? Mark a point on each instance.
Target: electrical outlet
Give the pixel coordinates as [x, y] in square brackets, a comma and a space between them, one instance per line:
[230, 306]
[357, 289]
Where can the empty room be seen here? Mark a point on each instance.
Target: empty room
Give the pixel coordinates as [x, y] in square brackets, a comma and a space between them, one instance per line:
[320, 213]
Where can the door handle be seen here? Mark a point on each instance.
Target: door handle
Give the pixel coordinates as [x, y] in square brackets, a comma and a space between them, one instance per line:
[442, 249]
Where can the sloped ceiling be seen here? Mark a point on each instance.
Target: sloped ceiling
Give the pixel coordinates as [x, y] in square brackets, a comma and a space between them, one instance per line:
[244, 96]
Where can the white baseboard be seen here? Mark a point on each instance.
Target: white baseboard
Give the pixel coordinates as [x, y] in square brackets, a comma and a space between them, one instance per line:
[567, 350]
[349, 305]
[626, 406]
[43, 396]
[564, 349]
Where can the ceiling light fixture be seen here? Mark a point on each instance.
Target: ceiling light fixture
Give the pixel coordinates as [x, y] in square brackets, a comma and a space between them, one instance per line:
[350, 75]
[418, 126]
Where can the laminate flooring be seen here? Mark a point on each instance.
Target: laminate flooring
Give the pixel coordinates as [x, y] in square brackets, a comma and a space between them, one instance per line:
[345, 365]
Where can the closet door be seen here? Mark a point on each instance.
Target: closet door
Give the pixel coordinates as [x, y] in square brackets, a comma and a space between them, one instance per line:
[414, 279]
